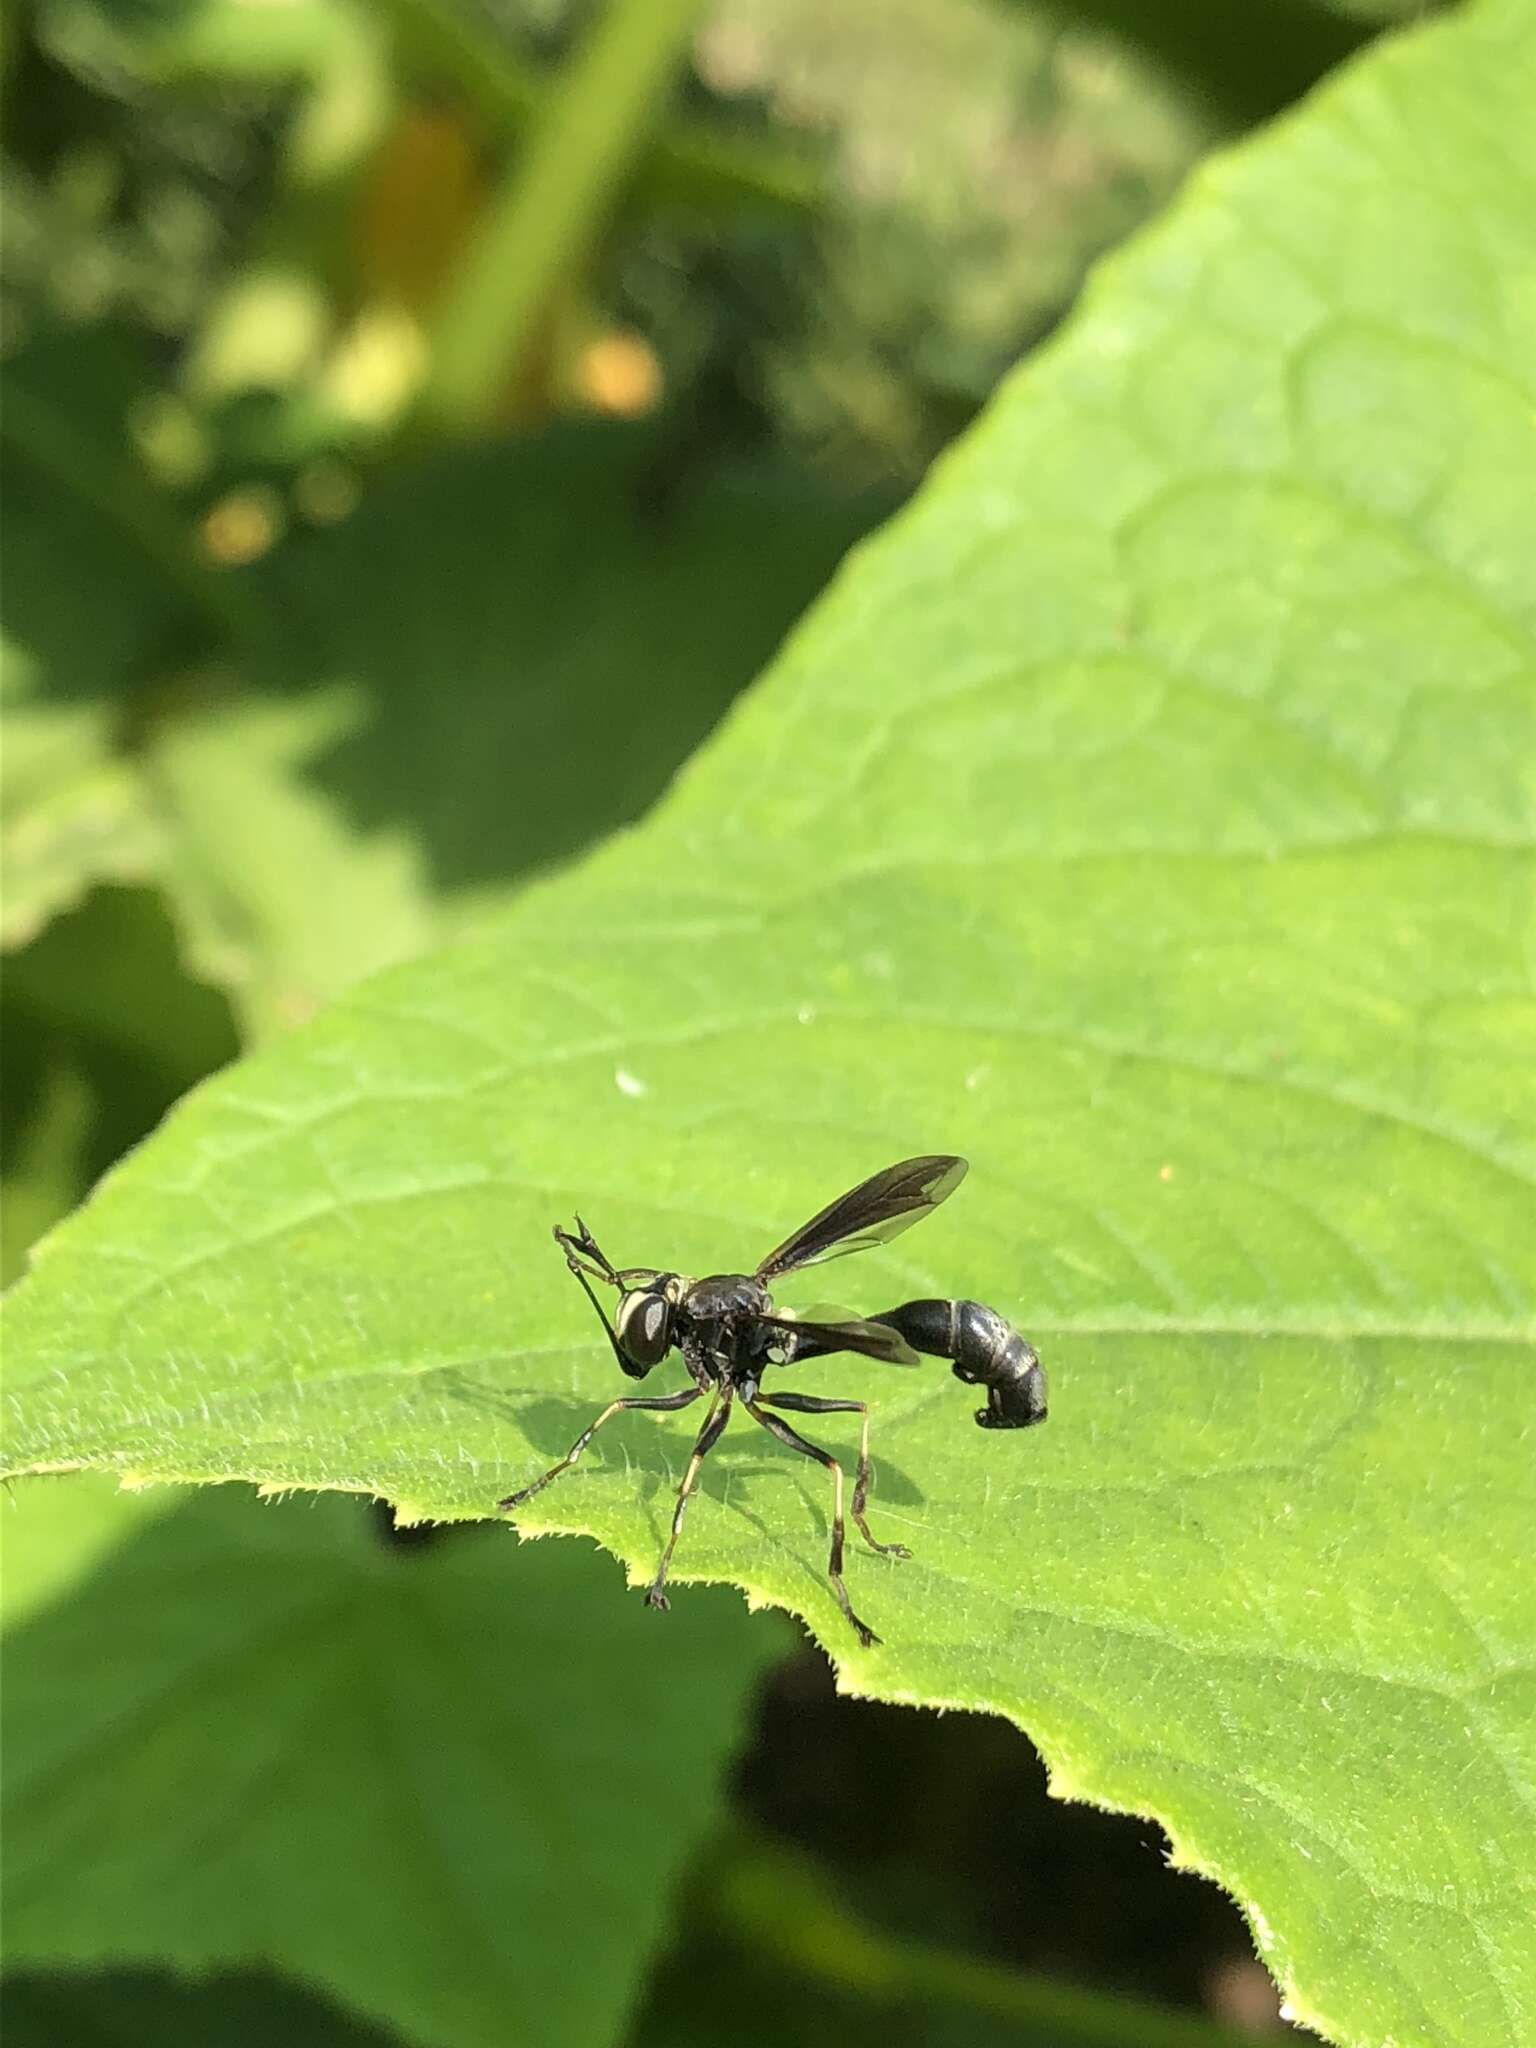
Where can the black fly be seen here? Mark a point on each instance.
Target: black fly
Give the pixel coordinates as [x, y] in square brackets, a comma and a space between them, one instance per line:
[729, 1332]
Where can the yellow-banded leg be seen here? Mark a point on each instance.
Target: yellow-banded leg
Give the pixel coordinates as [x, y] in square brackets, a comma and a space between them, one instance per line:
[685, 1399]
[708, 1437]
[864, 1478]
[786, 1435]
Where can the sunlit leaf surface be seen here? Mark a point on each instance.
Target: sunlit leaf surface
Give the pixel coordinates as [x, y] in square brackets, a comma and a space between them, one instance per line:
[1147, 816]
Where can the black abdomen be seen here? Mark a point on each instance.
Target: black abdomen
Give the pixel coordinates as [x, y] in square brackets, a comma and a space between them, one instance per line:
[987, 1352]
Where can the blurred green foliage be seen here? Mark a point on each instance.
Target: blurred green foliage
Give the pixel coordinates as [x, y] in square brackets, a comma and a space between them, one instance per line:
[277, 649]
[311, 1702]
[420, 421]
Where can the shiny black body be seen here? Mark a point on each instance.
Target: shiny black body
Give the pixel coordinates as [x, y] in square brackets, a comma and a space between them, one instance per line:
[718, 1327]
[987, 1352]
[730, 1335]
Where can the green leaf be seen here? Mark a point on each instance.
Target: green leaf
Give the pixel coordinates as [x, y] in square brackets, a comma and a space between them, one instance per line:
[1148, 816]
[55, 1532]
[142, 2009]
[44, 1140]
[413, 1775]
[1238, 68]
[74, 814]
[412, 749]
[108, 977]
[101, 1032]
[74, 811]
[281, 896]
[92, 518]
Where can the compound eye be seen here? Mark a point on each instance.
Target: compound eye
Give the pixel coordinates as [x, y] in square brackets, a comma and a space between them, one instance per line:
[645, 1325]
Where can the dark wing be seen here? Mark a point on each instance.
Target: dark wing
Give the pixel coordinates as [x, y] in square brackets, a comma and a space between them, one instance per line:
[872, 1213]
[872, 1340]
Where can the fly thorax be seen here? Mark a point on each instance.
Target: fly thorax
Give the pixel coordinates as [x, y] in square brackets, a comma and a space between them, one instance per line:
[725, 1297]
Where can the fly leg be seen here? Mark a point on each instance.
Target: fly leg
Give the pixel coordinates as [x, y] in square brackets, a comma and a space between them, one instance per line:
[665, 1401]
[786, 1435]
[808, 1404]
[708, 1437]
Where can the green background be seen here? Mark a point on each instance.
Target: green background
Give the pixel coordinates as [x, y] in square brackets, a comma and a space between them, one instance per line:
[1144, 813]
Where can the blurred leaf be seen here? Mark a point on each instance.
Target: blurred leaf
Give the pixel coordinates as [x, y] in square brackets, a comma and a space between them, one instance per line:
[400, 754]
[74, 814]
[55, 1532]
[177, 39]
[411, 1774]
[1239, 66]
[110, 974]
[1148, 817]
[58, 539]
[501, 656]
[102, 1031]
[90, 609]
[91, 518]
[282, 898]
[44, 1145]
[139, 2009]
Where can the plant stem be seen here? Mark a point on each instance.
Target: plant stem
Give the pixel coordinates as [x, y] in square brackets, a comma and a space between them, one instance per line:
[698, 163]
[552, 206]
